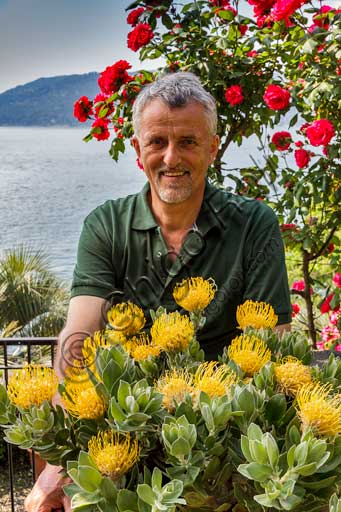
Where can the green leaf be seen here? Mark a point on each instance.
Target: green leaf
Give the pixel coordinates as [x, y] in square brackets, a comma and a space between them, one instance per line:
[180, 448]
[82, 500]
[146, 494]
[254, 471]
[127, 500]
[89, 478]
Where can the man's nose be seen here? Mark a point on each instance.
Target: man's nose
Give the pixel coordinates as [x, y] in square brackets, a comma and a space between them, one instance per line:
[171, 156]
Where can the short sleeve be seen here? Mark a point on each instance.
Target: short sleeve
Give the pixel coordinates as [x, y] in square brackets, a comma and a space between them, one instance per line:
[94, 271]
[266, 275]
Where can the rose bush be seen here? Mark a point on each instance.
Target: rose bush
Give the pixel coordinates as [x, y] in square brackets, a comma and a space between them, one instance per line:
[279, 66]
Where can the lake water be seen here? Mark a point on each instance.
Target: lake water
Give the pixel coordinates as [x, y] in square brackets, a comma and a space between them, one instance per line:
[50, 180]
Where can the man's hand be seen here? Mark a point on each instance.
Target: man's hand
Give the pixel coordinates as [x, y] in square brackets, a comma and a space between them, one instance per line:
[47, 493]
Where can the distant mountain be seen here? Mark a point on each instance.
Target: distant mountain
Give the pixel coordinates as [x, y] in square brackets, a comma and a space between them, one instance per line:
[46, 101]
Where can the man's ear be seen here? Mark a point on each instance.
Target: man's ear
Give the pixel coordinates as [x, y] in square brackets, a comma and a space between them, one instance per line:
[135, 143]
[214, 147]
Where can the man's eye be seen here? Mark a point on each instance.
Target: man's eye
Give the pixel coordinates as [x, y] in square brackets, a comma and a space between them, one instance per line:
[156, 142]
[188, 142]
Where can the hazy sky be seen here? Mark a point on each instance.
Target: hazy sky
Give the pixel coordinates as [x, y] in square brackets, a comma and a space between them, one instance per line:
[41, 38]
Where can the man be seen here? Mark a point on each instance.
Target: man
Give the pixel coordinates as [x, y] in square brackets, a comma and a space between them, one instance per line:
[137, 248]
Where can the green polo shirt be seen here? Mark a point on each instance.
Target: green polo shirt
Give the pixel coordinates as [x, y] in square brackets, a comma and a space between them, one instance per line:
[236, 241]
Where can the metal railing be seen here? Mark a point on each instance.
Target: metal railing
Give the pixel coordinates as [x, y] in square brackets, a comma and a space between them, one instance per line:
[14, 354]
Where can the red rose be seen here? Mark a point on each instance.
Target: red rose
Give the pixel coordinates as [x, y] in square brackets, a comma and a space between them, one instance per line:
[261, 6]
[299, 144]
[302, 158]
[298, 285]
[330, 248]
[281, 140]
[276, 97]
[133, 16]
[139, 164]
[99, 102]
[290, 227]
[320, 132]
[114, 76]
[321, 18]
[325, 306]
[100, 129]
[82, 109]
[295, 310]
[220, 3]
[234, 95]
[252, 53]
[283, 9]
[140, 36]
[242, 29]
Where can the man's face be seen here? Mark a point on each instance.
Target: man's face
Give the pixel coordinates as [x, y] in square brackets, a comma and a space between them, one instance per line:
[175, 147]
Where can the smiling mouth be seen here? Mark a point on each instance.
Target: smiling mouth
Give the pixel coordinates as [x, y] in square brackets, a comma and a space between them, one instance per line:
[174, 174]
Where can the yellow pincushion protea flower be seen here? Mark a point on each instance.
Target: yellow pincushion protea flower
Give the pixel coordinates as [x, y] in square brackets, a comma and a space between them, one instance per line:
[89, 348]
[258, 315]
[113, 453]
[175, 386]
[140, 348]
[194, 293]
[126, 318]
[291, 374]
[84, 402]
[250, 353]
[319, 410]
[31, 386]
[81, 398]
[213, 379]
[172, 332]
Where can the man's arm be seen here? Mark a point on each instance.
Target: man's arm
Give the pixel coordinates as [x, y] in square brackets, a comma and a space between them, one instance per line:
[283, 328]
[86, 315]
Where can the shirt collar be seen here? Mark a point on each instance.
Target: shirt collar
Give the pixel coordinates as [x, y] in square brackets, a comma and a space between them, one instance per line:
[143, 218]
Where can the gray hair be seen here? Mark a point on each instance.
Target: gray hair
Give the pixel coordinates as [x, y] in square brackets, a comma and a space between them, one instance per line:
[176, 90]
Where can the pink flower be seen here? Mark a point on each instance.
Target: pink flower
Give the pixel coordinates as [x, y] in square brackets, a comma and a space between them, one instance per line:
[334, 317]
[140, 36]
[252, 53]
[114, 76]
[100, 129]
[276, 97]
[295, 310]
[338, 348]
[302, 158]
[281, 140]
[82, 109]
[320, 132]
[298, 285]
[330, 333]
[133, 16]
[337, 279]
[320, 345]
[234, 95]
